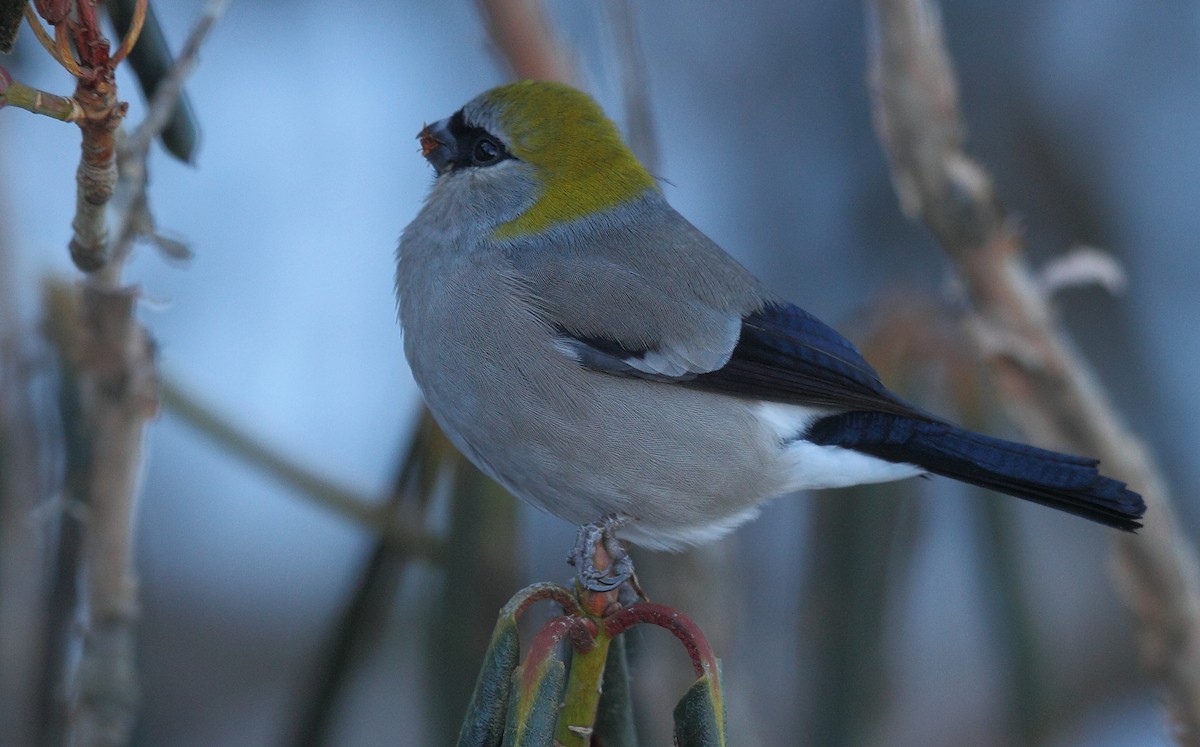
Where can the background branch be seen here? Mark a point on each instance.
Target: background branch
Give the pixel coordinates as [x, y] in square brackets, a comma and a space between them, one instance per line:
[119, 390]
[1048, 389]
[521, 32]
[401, 531]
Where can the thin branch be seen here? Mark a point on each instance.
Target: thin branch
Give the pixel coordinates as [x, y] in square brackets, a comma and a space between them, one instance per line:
[119, 392]
[62, 51]
[402, 531]
[96, 177]
[136, 220]
[62, 108]
[168, 92]
[635, 89]
[131, 36]
[1049, 390]
[40, 32]
[522, 35]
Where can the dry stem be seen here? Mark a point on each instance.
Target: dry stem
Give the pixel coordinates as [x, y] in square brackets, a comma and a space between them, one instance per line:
[522, 34]
[119, 389]
[1049, 390]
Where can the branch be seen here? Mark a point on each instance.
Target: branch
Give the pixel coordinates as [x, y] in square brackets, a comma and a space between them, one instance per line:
[96, 94]
[522, 35]
[136, 219]
[167, 94]
[639, 120]
[1049, 390]
[117, 381]
[118, 389]
[63, 108]
[402, 531]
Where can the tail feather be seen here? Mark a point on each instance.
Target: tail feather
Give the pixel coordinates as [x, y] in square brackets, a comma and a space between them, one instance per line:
[1068, 483]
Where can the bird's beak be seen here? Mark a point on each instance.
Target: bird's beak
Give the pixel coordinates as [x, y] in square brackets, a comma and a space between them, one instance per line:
[437, 145]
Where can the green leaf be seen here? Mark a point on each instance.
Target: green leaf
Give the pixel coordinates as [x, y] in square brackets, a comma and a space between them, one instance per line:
[484, 722]
[860, 549]
[480, 572]
[700, 715]
[536, 694]
[11, 12]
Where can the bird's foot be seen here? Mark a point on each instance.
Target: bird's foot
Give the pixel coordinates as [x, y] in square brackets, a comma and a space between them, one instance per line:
[601, 563]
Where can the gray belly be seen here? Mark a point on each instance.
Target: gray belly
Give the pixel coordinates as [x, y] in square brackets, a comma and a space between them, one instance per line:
[582, 444]
[685, 465]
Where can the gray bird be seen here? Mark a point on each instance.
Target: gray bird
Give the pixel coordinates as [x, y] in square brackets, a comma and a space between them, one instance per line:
[599, 356]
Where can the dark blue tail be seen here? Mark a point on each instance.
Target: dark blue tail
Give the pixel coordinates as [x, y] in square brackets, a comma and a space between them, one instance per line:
[1068, 483]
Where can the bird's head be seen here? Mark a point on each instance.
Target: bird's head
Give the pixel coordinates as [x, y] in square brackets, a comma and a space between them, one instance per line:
[546, 146]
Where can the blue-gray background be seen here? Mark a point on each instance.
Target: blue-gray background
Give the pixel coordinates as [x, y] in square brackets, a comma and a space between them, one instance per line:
[1086, 112]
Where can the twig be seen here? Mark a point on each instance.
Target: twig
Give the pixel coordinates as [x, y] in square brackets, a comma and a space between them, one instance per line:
[134, 149]
[1049, 390]
[18, 94]
[639, 119]
[119, 391]
[405, 538]
[131, 36]
[118, 394]
[96, 94]
[169, 91]
[522, 35]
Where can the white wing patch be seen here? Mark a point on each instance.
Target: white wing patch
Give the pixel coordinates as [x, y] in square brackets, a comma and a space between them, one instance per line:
[667, 359]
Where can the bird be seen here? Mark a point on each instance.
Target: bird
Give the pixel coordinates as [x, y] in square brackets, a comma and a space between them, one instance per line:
[586, 346]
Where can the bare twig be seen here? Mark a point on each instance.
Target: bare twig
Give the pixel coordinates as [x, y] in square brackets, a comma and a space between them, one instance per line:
[131, 36]
[117, 380]
[132, 151]
[96, 94]
[639, 119]
[1082, 266]
[119, 391]
[400, 528]
[521, 33]
[22, 96]
[1049, 390]
[168, 92]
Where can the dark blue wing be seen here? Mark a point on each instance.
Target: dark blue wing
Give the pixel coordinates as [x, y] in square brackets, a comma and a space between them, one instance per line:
[784, 354]
[781, 354]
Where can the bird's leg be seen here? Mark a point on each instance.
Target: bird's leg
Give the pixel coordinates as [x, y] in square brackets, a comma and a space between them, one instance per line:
[614, 569]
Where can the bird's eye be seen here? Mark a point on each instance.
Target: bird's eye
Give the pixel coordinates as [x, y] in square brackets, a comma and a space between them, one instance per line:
[486, 150]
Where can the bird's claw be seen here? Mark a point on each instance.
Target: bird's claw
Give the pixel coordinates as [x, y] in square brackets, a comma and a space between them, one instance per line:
[619, 567]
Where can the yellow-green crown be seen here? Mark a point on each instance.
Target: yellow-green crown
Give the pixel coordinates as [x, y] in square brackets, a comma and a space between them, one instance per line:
[576, 151]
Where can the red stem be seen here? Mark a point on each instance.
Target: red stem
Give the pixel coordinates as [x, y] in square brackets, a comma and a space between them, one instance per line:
[679, 624]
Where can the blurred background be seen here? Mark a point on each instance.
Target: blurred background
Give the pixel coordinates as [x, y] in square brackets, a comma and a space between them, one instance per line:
[924, 613]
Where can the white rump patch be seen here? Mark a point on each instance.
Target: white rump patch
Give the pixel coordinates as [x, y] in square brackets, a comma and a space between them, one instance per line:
[815, 466]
